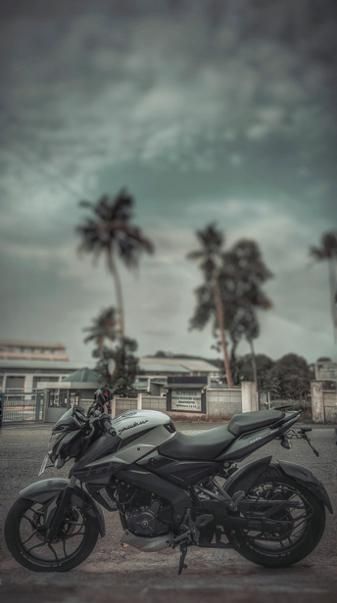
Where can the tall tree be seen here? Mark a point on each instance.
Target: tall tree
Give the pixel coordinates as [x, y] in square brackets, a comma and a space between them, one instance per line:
[327, 252]
[209, 299]
[232, 291]
[244, 274]
[109, 231]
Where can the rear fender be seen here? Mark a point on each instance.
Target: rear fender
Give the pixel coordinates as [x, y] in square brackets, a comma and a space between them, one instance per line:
[308, 480]
[48, 489]
[245, 477]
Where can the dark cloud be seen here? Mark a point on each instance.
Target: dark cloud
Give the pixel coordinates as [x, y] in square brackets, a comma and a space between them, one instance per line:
[220, 110]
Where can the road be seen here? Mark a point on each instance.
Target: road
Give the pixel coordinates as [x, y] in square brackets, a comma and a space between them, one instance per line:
[118, 574]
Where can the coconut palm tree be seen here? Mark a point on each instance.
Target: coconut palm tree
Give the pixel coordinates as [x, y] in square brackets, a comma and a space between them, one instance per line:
[109, 231]
[327, 252]
[245, 273]
[209, 257]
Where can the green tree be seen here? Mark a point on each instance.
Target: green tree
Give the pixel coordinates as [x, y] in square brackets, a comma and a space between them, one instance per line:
[244, 274]
[209, 299]
[245, 370]
[116, 362]
[231, 293]
[103, 328]
[125, 366]
[109, 231]
[290, 377]
[244, 325]
[327, 252]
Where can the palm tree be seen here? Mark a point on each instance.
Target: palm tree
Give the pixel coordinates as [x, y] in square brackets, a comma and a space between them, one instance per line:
[327, 251]
[209, 256]
[103, 327]
[109, 232]
[244, 274]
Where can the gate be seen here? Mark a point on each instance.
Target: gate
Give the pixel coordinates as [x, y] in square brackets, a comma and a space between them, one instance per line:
[22, 407]
[330, 405]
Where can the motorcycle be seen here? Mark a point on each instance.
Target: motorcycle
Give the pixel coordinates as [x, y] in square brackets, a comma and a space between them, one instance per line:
[170, 489]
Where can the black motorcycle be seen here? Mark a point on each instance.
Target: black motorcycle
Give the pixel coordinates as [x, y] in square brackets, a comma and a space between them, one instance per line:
[170, 489]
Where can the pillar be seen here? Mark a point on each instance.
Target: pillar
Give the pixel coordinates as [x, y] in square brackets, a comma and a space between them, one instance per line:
[249, 396]
[113, 407]
[317, 402]
[140, 401]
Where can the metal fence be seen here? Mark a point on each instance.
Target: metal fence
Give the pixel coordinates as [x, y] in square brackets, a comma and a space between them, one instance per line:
[22, 407]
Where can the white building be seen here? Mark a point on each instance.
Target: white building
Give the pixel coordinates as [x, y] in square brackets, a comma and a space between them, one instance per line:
[29, 350]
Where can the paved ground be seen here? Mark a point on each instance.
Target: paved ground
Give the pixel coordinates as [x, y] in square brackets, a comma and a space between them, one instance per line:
[118, 574]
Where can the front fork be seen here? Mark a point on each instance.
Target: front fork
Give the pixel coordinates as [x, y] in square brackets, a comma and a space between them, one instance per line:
[57, 509]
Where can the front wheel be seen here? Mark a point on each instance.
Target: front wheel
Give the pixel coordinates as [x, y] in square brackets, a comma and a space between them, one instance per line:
[25, 535]
[304, 515]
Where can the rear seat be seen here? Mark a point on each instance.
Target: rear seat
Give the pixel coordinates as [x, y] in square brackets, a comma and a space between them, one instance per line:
[248, 421]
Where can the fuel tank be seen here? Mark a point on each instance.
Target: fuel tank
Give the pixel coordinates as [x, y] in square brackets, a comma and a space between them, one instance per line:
[132, 422]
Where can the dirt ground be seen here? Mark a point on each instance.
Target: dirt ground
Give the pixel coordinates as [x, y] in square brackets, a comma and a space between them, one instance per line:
[119, 574]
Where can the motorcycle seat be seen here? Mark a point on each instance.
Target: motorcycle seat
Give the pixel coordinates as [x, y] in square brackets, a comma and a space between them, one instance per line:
[249, 421]
[204, 445]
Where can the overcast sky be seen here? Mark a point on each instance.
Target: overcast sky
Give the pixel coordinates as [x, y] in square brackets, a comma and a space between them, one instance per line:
[206, 111]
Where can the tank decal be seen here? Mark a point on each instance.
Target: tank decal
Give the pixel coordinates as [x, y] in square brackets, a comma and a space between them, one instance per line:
[132, 422]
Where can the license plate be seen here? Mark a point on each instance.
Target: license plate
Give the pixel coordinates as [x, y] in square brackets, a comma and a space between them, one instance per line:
[44, 464]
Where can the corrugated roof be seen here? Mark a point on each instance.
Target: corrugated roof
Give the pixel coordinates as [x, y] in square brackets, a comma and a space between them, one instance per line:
[183, 365]
[157, 366]
[83, 375]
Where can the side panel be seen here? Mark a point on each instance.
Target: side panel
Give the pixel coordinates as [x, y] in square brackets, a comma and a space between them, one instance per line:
[180, 472]
[137, 449]
[247, 443]
[105, 444]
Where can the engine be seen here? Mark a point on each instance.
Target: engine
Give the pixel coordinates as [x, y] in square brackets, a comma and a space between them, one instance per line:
[144, 522]
[144, 514]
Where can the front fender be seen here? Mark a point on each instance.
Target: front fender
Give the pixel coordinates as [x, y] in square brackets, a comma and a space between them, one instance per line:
[309, 481]
[47, 489]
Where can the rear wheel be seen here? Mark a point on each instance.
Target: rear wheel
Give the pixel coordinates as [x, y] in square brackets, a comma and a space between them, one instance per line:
[305, 518]
[25, 535]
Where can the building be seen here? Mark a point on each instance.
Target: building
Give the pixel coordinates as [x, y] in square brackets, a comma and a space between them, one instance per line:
[22, 376]
[154, 372]
[325, 370]
[33, 387]
[28, 350]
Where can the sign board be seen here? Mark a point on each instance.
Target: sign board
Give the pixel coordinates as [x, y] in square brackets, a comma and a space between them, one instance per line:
[326, 371]
[186, 400]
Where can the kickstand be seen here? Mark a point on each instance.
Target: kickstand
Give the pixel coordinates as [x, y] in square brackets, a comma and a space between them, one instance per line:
[182, 565]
